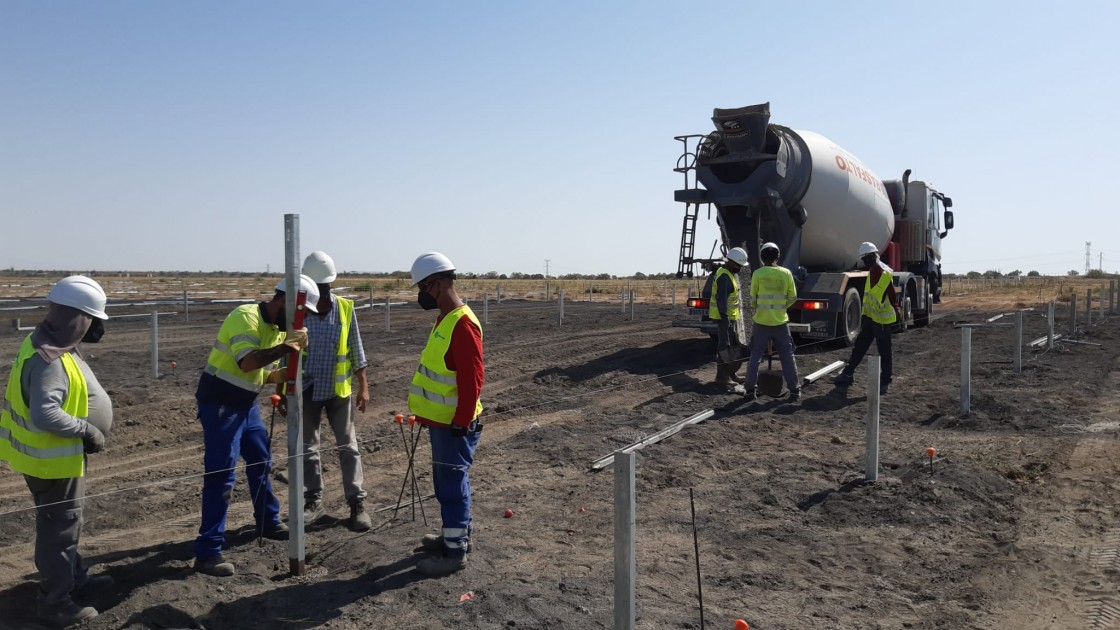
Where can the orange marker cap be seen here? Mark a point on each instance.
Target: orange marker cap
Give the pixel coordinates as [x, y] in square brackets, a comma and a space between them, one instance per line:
[411, 420]
[931, 451]
[741, 625]
[275, 400]
[399, 418]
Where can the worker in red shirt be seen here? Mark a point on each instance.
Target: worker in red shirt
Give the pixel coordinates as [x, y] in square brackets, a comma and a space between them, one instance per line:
[444, 396]
[880, 312]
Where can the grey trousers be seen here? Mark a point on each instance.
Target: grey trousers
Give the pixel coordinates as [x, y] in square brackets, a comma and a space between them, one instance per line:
[760, 339]
[349, 458]
[57, 528]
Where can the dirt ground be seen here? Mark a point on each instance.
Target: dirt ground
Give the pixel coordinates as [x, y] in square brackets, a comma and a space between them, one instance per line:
[1015, 526]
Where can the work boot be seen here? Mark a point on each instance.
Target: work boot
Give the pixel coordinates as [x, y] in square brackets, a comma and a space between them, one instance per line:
[434, 542]
[95, 583]
[313, 511]
[794, 395]
[359, 518]
[750, 393]
[735, 377]
[278, 531]
[723, 379]
[64, 615]
[448, 562]
[883, 389]
[844, 380]
[214, 565]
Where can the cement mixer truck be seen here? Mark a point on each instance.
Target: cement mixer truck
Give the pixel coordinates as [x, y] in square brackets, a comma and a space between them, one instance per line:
[818, 202]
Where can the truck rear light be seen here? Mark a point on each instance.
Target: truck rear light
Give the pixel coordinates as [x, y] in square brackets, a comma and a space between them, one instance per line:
[697, 303]
[812, 305]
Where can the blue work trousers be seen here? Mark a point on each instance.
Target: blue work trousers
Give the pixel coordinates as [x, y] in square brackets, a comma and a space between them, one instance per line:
[452, 457]
[229, 434]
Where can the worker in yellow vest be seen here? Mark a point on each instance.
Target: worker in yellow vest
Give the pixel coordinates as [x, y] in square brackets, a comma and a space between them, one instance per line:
[335, 361]
[252, 340]
[53, 415]
[724, 309]
[772, 293]
[880, 312]
[444, 396]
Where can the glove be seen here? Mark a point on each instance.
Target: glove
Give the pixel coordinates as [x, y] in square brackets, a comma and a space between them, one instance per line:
[93, 439]
[296, 339]
[461, 431]
[276, 377]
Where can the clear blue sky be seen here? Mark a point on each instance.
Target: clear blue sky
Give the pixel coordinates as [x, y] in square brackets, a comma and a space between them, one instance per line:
[175, 135]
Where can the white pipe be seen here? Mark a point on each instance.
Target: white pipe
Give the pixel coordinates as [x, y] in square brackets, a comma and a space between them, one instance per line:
[486, 308]
[155, 344]
[1050, 325]
[296, 549]
[1018, 354]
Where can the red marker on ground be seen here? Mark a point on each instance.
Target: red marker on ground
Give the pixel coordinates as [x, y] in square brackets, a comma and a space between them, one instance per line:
[508, 513]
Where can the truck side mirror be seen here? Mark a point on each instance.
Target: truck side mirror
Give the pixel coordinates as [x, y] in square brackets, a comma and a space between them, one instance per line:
[948, 202]
[948, 218]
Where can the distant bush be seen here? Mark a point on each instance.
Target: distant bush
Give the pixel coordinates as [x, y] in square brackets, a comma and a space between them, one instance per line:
[1032, 274]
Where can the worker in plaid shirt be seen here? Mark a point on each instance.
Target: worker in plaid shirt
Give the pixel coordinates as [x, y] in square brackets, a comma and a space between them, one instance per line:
[334, 362]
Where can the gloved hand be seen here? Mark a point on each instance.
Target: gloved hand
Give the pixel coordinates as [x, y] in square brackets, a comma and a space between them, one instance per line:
[296, 339]
[277, 377]
[461, 431]
[93, 439]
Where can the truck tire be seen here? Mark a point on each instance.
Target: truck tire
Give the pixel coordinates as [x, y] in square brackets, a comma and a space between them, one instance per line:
[850, 318]
[921, 320]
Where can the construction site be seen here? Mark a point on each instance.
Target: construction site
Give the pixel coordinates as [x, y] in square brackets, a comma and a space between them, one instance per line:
[1011, 522]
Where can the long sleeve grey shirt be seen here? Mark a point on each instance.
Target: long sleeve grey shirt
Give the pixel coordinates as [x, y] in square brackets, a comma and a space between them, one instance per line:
[44, 387]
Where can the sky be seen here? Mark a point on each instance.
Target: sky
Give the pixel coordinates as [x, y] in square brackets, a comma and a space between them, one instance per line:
[175, 135]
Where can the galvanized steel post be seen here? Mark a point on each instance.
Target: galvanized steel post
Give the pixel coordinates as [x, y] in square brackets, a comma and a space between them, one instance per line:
[1018, 360]
[388, 316]
[296, 551]
[966, 366]
[1072, 315]
[186, 307]
[1050, 326]
[871, 464]
[485, 308]
[625, 550]
[155, 344]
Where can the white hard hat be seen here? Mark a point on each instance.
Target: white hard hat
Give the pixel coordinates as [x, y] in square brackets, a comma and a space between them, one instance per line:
[427, 264]
[737, 255]
[866, 248]
[307, 285]
[769, 245]
[81, 293]
[319, 267]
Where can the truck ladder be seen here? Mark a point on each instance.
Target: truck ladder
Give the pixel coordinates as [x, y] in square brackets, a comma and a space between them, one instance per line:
[688, 240]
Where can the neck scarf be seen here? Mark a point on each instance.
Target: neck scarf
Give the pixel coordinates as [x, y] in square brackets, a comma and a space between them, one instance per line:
[60, 332]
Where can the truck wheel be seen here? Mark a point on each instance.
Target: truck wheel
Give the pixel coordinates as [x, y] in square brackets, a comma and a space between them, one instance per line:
[850, 318]
[921, 320]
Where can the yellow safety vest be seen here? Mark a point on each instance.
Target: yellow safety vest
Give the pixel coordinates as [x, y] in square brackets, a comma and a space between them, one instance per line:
[875, 303]
[772, 293]
[31, 450]
[243, 331]
[732, 299]
[434, 392]
[342, 376]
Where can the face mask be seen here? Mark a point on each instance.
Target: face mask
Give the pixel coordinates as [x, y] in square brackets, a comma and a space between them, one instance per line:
[426, 301]
[96, 330]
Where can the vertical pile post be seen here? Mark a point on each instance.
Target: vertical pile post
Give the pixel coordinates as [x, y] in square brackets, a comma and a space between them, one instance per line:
[1088, 307]
[966, 368]
[186, 307]
[155, 344]
[1072, 315]
[388, 316]
[674, 297]
[1050, 326]
[560, 306]
[871, 465]
[1102, 303]
[486, 308]
[622, 299]
[1018, 360]
[296, 551]
[625, 550]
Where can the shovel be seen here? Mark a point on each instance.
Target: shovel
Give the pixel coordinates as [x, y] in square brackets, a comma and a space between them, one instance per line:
[770, 381]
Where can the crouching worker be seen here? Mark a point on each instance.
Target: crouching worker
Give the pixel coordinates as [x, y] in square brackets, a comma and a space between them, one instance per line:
[53, 415]
[444, 396]
[772, 293]
[250, 342]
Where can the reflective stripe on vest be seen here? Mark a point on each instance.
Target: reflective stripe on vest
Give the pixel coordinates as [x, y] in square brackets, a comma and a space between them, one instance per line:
[225, 353]
[27, 448]
[342, 387]
[434, 392]
[775, 286]
[732, 298]
[875, 304]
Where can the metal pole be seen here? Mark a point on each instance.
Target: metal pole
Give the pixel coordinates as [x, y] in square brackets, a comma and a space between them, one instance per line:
[547, 292]
[186, 307]
[1111, 297]
[674, 297]
[622, 299]
[155, 344]
[590, 292]
[1088, 307]
[966, 368]
[499, 294]
[296, 551]
[486, 308]
[871, 465]
[1018, 361]
[1050, 326]
[388, 316]
[371, 294]
[560, 305]
[1072, 315]
[1102, 302]
[696, 548]
[625, 551]
[631, 305]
